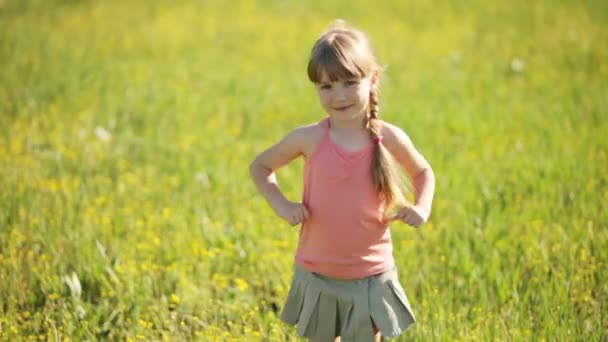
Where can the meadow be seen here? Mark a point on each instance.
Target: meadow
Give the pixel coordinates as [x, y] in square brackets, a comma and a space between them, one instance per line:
[127, 128]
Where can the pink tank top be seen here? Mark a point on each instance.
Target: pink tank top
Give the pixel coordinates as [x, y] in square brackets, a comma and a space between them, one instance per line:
[346, 236]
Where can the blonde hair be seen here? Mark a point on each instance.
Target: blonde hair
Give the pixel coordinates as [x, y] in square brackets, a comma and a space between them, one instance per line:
[344, 52]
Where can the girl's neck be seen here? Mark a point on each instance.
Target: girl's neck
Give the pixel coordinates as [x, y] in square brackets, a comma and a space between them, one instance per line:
[348, 125]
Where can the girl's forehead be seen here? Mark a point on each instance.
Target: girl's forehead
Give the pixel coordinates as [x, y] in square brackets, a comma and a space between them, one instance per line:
[324, 78]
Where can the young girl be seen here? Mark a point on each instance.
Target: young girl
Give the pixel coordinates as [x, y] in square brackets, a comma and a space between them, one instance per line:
[345, 285]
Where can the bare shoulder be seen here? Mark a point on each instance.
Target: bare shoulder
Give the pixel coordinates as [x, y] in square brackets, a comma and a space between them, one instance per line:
[308, 136]
[393, 136]
[298, 142]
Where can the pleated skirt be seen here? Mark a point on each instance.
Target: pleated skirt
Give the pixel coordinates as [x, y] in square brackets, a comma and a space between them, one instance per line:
[323, 307]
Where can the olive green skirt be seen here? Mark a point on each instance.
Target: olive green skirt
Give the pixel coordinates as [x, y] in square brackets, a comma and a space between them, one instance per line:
[325, 307]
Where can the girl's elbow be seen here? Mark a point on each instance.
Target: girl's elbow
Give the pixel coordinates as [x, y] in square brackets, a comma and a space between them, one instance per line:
[424, 173]
[252, 167]
[256, 169]
[430, 173]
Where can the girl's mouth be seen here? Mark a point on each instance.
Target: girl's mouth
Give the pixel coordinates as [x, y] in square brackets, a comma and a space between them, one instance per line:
[342, 108]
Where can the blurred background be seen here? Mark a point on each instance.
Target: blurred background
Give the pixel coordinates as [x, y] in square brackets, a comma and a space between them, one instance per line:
[127, 129]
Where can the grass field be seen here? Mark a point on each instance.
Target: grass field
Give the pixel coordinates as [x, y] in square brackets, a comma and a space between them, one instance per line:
[127, 128]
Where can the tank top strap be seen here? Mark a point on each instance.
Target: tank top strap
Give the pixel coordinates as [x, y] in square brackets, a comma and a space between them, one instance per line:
[325, 125]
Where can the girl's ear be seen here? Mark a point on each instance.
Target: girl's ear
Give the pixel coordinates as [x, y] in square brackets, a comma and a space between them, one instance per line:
[374, 78]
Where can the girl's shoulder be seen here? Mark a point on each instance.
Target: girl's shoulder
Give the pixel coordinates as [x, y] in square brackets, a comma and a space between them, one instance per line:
[401, 146]
[309, 136]
[392, 134]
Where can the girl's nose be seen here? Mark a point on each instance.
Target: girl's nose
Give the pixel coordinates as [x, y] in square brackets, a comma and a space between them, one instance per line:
[340, 94]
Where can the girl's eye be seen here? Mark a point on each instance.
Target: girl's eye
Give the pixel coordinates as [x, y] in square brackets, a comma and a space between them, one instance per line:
[352, 82]
[325, 86]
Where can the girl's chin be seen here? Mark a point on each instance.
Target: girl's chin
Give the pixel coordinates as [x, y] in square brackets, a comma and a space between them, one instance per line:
[347, 115]
[350, 111]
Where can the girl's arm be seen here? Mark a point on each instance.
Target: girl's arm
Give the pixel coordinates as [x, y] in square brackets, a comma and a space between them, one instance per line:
[418, 169]
[262, 171]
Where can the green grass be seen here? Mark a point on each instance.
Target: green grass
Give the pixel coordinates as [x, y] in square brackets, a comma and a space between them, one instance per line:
[164, 231]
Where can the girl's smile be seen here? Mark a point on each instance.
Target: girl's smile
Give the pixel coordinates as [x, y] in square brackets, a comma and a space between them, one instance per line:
[343, 108]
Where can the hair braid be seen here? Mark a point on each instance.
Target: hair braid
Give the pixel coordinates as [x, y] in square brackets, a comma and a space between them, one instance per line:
[383, 171]
[374, 107]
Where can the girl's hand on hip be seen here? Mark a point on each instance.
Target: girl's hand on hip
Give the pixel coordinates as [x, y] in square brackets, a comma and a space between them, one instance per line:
[294, 213]
[412, 215]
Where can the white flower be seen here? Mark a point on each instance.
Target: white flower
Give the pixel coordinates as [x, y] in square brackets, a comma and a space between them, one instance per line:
[203, 178]
[517, 65]
[102, 134]
[73, 283]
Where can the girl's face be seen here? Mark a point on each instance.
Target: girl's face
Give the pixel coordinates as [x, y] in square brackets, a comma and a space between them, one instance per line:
[345, 99]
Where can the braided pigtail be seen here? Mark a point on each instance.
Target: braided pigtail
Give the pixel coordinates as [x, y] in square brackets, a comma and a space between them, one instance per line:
[384, 173]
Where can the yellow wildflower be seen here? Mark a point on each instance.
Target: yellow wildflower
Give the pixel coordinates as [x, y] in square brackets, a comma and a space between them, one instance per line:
[174, 299]
[241, 284]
